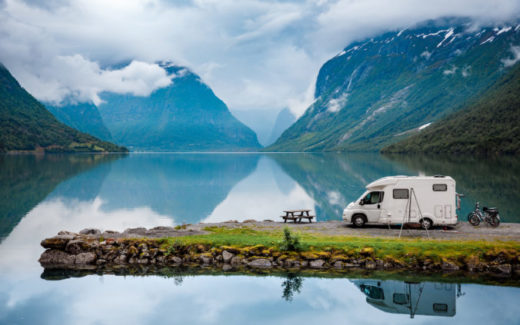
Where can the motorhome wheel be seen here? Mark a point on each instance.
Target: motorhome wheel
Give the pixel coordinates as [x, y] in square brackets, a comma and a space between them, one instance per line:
[426, 223]
[358, 220]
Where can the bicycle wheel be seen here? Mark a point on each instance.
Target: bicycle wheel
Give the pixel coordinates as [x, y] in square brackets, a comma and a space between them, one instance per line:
[494, 221]
[473, 219]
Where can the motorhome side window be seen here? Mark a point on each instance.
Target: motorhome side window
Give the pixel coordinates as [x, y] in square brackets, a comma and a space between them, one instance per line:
[373, 198]
[401, 193]
[440, 187]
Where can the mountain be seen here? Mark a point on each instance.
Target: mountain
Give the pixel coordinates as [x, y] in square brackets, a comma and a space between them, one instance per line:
[26, 125]
[261, 121]
[184, 116]
[283, 121]
[490, 125]
[84, 117]
[376, 91]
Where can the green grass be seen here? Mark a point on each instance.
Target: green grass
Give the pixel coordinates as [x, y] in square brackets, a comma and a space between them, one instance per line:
[401, 249]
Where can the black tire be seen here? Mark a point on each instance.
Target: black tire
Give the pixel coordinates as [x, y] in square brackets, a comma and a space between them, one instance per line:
[358, 220]
[426, 223]
[494, 221]
[473, 219]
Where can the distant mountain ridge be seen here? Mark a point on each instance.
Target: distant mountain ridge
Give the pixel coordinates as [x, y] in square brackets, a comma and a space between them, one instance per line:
[184, 116]
[26, 125]
[82, 116]
[377, 91]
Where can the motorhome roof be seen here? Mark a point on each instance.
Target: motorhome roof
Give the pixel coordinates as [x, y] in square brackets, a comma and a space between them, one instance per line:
[390, 180]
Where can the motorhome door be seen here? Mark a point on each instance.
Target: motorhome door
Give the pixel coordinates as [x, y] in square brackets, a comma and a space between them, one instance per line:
[372, 205]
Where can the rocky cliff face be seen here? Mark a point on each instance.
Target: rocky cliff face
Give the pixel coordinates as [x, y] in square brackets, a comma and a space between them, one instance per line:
[378, 90]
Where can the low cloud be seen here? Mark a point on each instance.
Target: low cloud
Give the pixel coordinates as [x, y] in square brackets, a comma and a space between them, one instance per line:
[254, 54]
[515, 50]
[75, 78]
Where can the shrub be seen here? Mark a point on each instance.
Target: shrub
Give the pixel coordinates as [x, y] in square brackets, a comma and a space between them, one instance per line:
[290, 242]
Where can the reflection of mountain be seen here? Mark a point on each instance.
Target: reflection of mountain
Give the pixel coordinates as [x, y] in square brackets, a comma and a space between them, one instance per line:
[412, 298]
[83, 187]
[334, 180]
[27, 179]
[184, 186]
[492, 181]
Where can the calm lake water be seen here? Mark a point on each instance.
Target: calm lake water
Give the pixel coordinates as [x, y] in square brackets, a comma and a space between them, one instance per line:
[41, 195]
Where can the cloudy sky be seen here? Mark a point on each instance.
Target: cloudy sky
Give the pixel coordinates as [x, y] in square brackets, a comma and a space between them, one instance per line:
[254, 54]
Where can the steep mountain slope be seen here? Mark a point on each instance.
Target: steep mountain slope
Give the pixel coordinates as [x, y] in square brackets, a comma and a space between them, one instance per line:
[489, 126]
[261, 121]
[376, 91]
[283, 121]
[82, 116]
[185, 116]
[25, 124]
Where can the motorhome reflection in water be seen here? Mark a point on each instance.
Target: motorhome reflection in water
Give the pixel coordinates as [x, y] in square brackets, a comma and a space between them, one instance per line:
[428, 200]
[424, 298]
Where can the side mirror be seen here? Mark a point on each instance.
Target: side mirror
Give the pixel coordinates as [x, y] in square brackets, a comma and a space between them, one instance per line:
[362, 202]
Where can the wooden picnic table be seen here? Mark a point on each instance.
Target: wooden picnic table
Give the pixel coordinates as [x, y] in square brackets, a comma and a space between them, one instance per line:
[297, 215]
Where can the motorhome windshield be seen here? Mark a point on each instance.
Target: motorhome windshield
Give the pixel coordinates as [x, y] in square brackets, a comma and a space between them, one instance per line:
[373, 197]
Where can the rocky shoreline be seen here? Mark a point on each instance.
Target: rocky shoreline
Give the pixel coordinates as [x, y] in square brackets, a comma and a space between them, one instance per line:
[140, 248]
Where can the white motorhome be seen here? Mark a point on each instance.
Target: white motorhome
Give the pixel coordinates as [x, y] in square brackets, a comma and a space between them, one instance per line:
[428, 200]
[397, 297]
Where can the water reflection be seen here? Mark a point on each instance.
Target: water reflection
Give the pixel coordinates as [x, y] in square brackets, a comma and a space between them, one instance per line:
[291, 286]
[26, 180]
[411, 298]
[99, 190]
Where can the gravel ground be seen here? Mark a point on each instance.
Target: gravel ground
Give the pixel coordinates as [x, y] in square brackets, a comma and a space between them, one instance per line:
[506, 231]
[463, 231]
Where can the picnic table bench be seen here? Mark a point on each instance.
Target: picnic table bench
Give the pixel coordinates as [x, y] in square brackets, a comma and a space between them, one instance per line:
[297, 215]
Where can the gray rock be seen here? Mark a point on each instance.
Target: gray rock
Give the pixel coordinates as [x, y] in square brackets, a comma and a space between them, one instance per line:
[90, 231]
[75, 246]
[226, 267]
[206, 259]
[135, 231]
[57, 242]
[143, 261]
[56, 257]
[121, 259]
[175, 260]
[261, 263]
[227, 256]
[101, 261]
[449, 266]
[370, 265]
[67, 233]
[503, 268]
[338, 265]
[317, 264]
[85, 258]
[236, 260]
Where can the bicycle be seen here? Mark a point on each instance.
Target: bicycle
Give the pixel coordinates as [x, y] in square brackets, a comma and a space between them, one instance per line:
[489, 215]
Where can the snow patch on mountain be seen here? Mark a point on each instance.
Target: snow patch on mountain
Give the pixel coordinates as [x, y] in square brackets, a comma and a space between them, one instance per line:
[504, 30]
[489, 40]
[448, 35]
